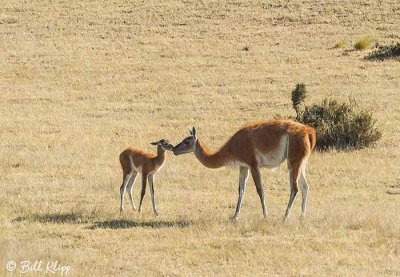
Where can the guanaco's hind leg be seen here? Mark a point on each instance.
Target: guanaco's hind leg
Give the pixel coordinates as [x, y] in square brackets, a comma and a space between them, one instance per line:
[298, 153]
[122, 189]
[304, 191]
[294, 173]
[130, 186]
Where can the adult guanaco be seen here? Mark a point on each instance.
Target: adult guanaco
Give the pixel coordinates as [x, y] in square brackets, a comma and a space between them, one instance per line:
[260, 144]
[135, 161]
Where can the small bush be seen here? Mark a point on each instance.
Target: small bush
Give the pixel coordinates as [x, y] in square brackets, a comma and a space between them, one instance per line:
[341, 43]
[339, 125]
[362, 43]
[385, 52]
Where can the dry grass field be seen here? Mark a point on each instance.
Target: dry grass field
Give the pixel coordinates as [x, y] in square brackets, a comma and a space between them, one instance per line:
[82, 80]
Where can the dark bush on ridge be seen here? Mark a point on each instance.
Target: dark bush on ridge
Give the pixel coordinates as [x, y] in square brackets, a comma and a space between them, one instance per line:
[385, 52]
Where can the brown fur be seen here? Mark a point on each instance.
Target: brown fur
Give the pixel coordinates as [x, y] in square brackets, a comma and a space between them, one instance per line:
[147, 161]
[263, 136]
[134, 161]
[256, 145]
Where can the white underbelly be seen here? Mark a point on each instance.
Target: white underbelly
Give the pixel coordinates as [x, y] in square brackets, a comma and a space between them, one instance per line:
[237, 164]
[137, 168]
[157, 169]
[274, 158]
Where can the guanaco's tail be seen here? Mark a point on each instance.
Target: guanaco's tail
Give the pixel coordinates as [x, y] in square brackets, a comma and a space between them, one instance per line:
[312, 137]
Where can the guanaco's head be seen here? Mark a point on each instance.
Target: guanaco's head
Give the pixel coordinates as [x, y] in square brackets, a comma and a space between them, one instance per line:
[165, 145]
[187, 145]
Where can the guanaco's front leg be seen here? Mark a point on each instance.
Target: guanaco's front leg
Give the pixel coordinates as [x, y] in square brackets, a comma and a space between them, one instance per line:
[144, 180]
[150, 179]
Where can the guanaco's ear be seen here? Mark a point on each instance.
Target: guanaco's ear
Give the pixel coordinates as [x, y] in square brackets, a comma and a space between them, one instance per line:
[193, 132]
[154, 143]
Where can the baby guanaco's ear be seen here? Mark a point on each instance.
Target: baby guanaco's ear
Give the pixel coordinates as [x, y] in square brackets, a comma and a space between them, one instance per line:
[193, 132]
[154, 143]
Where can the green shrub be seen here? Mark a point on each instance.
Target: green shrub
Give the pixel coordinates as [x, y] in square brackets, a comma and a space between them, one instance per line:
[362, 43]
[385, 52]
[339, 125]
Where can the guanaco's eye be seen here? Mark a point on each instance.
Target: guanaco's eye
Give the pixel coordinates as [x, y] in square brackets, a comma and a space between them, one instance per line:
[187, 141]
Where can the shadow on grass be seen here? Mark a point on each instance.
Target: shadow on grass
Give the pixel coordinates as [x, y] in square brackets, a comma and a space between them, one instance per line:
[125, 224]
[77, 218]
[81, 218]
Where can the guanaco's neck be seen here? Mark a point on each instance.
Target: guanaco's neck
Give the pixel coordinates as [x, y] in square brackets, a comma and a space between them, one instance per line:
[209, 159]
[160, 158]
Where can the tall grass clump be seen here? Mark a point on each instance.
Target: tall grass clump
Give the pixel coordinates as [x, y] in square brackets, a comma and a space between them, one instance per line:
[339, 125]
[363, 43]
[340, 44]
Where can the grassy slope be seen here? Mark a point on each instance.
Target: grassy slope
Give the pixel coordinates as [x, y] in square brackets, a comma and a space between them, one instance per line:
[81, 80]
